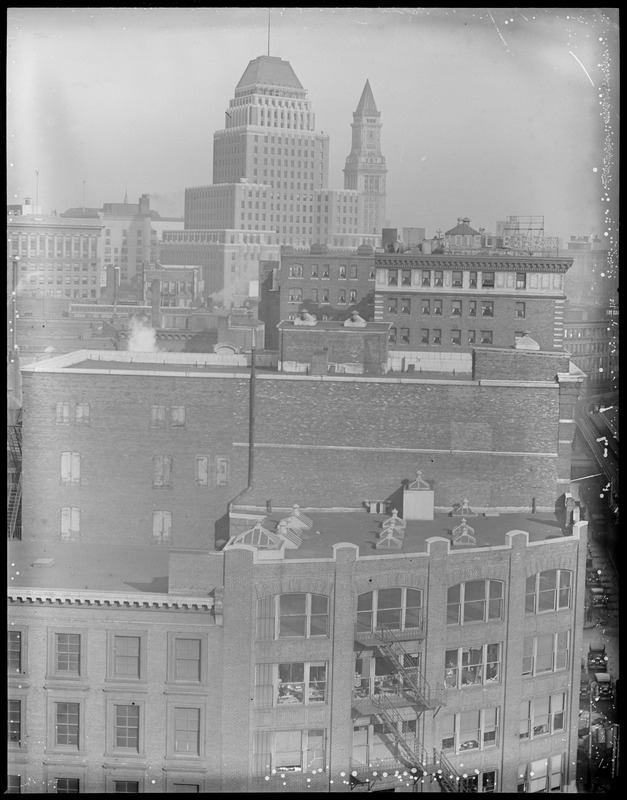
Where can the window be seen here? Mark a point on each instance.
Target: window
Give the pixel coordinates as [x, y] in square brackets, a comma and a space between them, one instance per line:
[157, 416]
[126, 657]
[471, 666]
[202, 470]
[474, 601]
[324, 297]
[292, 615]
[289, 751]
[295, 295]
[437, 336]
[519, 310]
[294, 683]
[325, 271]
[70, 468]
[126, 727]
[406, 277]
[405, 305]
[457, 278]
[426, 277]
[353, 272]
[548, 591]
[424, 336]
[222, 471]
[392, 277]
[486, 337]
[295, 271]
[66, 725]
[178, 416]
[186, 664]
[470, 730]
[392, 335]
[14, 723]
[341, 298]
[14, 652]
[456, 337]
[314, 270]
[70, 522]
[484, 782]
[487, 308]
[545, 653]
[177, 787]
[81, 414]
[439, 278]
[456, 308]
[67, 785]
[393, 305]
[162, 527]
[437, 308]
[352, 296]
[379, 675]
[404, 335]
[126, 787]
[62, 414]
[544, 775]
[162, 472]
[487, 280]
[314, 295]
[542, 715]
[342, 272]
[472, 308]
[472, 335]
[187, 731]
[521, 280]
[425, 307]
[397, 608]
[67, 654]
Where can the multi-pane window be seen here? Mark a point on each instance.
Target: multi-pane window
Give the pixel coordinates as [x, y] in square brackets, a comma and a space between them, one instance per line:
[470, 730]
[406, 277]
[474, 601]
[481, 782]
[296, 271]
[62, 415]
[472, 336]
[456, 336]
[67, 653]
[178, 416]
[379, 675]
[392, 277]
[352, 296]
[472, 280]
[126, 787]
[404, 335]
[471, 666]
[157, 416]
[397, 608]
[549, 590]
[519, 310]
[162, 526]
[392, 335]
[424, 336]
[292, 683]
[126, 656]
[437, 308]
[295, 294]
[439, 278]
[126, 727]
[353, 272]
[67, 785]
[292, 615]
[487, 308]
[202, 471]
[425, 306]
[405, 305]
[544, 775]
[325, 271]
[14, 652]
[66, 725]
[162, 471]
[14, 723]
[187, 664]
[70, 468]
[393, 305]
[486, 337]
[324, 296]
[314, 270]
[521, 280]
[542, 715]
[289, 751]
[342, 272]
[437, 336]
[456, 308]
[472, 308]
[548, 652]
[456, 278]
[426, 277]
[187, 730]
[81, 413]
[487, 280]
[381, 742]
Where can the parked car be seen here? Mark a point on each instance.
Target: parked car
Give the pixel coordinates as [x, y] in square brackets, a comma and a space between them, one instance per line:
[597, 596]
[597, 658]
[593, 577]
[597, 526]
[602, 687]
[584, 686]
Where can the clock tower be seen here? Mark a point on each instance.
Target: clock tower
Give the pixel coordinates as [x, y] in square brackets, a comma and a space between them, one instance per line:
[365, 168]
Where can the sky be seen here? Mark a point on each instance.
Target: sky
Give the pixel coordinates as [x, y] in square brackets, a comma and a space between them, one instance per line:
[486, 113]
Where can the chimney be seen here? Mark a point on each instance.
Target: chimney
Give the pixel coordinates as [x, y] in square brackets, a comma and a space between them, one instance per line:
[144, 204]
[156, 303]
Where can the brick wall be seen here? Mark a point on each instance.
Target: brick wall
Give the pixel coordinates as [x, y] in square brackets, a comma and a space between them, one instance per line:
[345, 346]
[517, 365]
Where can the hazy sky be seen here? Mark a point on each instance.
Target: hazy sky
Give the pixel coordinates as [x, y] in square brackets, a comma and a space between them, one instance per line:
[486, 112]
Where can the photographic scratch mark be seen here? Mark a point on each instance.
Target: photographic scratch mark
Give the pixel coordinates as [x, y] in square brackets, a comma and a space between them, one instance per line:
[582, 67]
[497, 28]
[521, 15]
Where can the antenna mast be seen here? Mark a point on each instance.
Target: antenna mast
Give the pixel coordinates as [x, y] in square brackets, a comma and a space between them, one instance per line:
[269, 11]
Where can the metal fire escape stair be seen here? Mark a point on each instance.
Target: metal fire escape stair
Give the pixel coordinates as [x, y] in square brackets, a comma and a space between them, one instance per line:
[14, 485]
[14, 507]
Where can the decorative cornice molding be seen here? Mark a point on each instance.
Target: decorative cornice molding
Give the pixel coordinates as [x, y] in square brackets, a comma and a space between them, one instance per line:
[115, 600]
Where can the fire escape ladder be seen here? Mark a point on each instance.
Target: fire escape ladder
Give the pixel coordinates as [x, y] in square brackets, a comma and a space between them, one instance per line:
[446, 775]
[14, 440]
[14, 503]
[412, 751]
[413, 679]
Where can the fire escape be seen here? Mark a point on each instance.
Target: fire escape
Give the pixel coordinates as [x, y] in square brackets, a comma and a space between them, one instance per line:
[14, 481]
[411, 692]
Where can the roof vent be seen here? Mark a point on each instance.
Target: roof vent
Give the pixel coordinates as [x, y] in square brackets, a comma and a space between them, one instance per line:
[464, 534]
[258, 537]
[355, 321]
[297, 520]
[464, 510]
[305, 318]
[525, 342]
[393, 532]
[290, 536]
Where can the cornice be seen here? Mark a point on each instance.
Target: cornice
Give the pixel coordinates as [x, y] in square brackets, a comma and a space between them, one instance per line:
[492, 263]
[108, 600]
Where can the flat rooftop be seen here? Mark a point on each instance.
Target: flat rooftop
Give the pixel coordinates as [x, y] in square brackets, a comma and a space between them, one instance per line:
[364, 530]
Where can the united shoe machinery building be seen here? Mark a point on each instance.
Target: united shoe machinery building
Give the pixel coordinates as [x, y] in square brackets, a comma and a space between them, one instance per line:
[251, 580]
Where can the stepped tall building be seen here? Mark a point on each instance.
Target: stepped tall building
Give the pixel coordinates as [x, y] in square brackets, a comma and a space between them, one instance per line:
[270, 184]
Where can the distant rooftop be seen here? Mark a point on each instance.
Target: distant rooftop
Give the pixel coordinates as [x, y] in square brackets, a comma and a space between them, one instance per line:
[269, 71]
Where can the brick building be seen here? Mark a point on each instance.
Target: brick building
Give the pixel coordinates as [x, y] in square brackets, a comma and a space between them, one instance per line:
[450, 303]
[154, 448]
[322, 648]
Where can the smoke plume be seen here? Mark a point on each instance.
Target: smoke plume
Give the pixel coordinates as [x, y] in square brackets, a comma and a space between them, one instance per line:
[143, 338]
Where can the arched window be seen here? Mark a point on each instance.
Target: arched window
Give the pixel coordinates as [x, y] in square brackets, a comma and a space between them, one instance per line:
[398, 609]
[474, 601]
